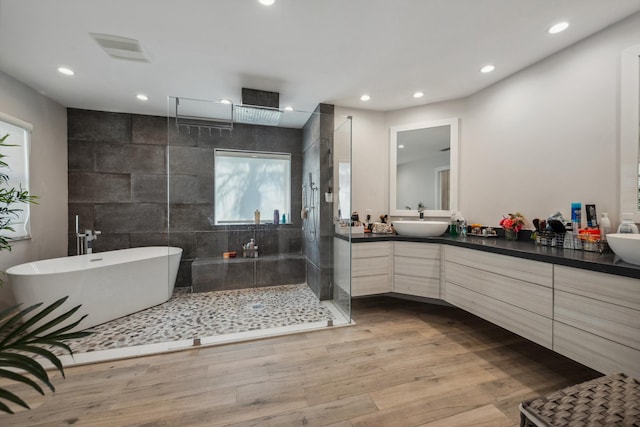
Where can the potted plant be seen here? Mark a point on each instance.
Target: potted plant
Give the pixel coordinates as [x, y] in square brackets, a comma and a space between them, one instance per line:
[27, 333]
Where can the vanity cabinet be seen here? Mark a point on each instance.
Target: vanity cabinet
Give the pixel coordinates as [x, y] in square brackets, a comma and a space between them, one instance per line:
[597, 319]
[514, 293]
[370, 268]
[416, 269]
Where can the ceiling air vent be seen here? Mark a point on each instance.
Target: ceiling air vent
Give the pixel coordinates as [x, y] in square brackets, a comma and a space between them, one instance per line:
[120, 47]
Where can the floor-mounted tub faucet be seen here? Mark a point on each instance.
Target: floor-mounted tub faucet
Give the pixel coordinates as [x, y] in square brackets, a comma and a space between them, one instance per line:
[89, 237]
[84, 240]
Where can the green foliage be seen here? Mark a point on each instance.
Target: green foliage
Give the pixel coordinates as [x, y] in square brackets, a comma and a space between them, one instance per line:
[17, 344]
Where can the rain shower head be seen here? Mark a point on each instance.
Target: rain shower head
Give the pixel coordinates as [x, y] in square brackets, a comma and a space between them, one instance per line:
[255, 115]
[258, 107]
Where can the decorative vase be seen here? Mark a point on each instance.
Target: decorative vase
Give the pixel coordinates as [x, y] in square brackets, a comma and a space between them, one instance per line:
[510, 235]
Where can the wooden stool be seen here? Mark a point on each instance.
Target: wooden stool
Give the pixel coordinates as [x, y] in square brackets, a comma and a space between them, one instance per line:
[609, 401]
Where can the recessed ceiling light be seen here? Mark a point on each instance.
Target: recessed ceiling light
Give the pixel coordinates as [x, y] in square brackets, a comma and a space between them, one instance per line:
[66, 71]
[267, 2]
[558, 28]
[225, 101]
[418, 95]
[401, 146]
[142, 97]
[487, 68]
[365, 97]
[288, 108]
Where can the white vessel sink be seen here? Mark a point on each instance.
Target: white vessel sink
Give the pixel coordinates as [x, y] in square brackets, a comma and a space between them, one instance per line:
[626, 246]
[420, 228]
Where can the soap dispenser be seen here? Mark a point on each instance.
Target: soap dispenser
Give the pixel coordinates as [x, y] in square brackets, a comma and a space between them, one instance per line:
[453, 228]
[627, 226]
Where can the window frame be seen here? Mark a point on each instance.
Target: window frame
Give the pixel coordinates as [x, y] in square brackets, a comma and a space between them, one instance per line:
[18, 155]
[266, 217]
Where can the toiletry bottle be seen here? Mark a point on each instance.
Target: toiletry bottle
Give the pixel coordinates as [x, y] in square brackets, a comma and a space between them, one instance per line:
[576, 217]
[453, 228]
[284, 218]
[256, 216]
[276, 216]
[627, 226]
[605, 225]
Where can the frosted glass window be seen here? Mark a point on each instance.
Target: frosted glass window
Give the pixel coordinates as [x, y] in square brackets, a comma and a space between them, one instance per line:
[17, 170]
[250, 180]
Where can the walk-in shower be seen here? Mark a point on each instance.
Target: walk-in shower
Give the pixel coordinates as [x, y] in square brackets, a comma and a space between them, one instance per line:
[297, 246]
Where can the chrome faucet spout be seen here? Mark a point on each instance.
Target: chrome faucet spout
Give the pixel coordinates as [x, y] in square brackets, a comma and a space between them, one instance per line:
[89, 237]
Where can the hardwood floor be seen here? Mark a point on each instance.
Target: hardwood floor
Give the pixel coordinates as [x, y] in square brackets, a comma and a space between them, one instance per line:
[403, 364]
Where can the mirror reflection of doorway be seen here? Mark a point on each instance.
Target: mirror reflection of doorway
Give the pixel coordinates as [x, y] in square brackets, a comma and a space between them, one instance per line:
[442, 188]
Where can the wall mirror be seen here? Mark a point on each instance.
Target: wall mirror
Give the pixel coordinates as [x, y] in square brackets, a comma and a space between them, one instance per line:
[423, 166]
[630, 132]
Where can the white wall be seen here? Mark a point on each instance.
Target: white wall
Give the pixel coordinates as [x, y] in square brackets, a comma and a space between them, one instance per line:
[48, 163]
[534, 142]
[370, 161]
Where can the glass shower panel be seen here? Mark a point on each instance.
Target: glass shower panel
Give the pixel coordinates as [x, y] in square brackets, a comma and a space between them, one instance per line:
[341, 197]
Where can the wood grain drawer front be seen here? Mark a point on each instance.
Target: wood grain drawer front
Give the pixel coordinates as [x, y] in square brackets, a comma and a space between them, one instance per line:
[369, 266]
[530, 325]
[418, 286]
[417, 250]
[369, 285]
[610, 321]
[417, 267]
[598, 353]
[529, 296]
[624, 291]
[537, 272]
[373, 249]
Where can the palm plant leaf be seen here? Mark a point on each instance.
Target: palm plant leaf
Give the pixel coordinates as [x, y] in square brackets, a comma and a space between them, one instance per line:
[13, 376]
[11, 397]
[24, 338]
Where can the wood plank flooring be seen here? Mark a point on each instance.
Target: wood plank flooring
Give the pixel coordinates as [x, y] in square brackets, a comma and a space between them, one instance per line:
[403, 364]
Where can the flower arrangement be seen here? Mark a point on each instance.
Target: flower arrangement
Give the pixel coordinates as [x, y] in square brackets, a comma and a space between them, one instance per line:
[514, 222]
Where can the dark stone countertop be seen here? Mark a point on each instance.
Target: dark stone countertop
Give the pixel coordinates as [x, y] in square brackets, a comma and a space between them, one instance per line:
[605, 263]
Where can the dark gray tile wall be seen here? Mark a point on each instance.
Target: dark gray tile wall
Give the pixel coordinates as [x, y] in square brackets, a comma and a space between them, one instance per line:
[117, 178]
[318, 159]
[118, 185]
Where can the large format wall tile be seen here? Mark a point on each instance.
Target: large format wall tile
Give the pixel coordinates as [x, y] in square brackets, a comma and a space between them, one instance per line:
[99, 187]
[131, 158]
[98, 126]
[130, 217]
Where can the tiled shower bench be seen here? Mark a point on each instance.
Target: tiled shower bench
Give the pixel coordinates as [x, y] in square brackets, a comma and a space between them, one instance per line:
[213, 274]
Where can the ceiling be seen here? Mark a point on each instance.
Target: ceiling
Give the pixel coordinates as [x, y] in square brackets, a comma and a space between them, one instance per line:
[310, 51]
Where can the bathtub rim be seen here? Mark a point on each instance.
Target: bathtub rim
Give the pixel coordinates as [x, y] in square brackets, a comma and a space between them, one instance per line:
[15, 270]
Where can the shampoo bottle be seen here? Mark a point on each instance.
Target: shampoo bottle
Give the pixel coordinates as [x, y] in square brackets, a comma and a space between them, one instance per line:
[576, 217]
[605, 225]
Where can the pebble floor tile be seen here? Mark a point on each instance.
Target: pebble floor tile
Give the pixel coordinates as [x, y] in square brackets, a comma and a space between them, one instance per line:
[194, 315]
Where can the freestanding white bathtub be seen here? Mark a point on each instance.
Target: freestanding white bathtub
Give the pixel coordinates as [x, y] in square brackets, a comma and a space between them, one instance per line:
[107, 284]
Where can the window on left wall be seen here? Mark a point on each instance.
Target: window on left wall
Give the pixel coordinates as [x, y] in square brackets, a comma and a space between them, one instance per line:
[17, 159]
